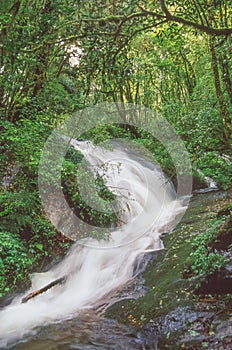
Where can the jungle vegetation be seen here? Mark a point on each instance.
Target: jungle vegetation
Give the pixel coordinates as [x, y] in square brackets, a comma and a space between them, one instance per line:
[61, 56]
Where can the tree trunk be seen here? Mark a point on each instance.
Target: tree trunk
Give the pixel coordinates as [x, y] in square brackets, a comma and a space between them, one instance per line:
[219, 93]
[226, 75]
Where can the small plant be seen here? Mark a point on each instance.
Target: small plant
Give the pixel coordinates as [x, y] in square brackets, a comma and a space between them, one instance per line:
[205, 260]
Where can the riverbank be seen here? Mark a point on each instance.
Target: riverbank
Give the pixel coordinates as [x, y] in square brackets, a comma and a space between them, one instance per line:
[182, 308]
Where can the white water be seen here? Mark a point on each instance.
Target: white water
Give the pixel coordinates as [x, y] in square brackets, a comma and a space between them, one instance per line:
[98, 269]
[212, 185]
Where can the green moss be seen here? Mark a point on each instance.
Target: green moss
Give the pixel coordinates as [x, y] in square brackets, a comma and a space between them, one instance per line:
[165, 277]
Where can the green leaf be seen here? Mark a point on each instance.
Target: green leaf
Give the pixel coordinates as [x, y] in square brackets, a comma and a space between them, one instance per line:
[39, 246]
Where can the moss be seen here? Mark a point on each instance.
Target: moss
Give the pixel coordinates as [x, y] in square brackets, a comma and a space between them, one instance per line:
[168, 287]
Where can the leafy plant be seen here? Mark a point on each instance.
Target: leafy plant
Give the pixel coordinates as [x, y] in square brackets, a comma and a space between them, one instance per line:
[216, 166]
[206, 261]
[95, 208]
[15, 262]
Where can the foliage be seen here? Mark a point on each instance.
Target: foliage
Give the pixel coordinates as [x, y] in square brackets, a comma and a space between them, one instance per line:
[206, 261]
[59, 56]
[16, 210]
[94, 207]
[216, 166]
[15, 262]
[29, 242]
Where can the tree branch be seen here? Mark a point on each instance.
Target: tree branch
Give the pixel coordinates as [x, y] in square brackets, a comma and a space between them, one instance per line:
[43, 289]
[206, 29]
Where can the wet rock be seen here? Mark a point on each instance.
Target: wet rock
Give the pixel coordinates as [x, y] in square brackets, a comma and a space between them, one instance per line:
[189, 329]
[199, 183]
[224, 237]
[171, 315]
[176, 323]
[224, 329]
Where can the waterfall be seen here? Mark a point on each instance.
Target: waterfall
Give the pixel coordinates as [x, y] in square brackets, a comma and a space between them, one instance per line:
[96, 270]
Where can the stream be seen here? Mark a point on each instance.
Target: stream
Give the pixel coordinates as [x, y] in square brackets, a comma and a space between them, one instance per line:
[86, 332]
[67, 316]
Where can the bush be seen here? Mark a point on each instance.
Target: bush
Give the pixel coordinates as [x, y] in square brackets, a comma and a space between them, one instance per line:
[218, 167]
[205, 260]
[15, 263]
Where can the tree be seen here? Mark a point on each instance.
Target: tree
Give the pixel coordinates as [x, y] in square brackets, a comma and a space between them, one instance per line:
[35, 38]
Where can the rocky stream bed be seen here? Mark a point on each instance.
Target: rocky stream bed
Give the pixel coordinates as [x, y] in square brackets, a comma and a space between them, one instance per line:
[169, 305]
[177, 309]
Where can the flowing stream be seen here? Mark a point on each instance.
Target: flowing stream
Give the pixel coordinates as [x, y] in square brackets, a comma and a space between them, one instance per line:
[97, 270]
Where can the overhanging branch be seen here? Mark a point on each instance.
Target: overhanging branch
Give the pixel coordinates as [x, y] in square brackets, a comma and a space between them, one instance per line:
[206, 29]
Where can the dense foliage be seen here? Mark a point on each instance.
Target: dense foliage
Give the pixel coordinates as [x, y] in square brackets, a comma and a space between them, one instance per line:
[59, 56]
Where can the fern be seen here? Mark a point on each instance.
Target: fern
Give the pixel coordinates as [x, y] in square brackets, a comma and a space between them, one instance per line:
[16, 210]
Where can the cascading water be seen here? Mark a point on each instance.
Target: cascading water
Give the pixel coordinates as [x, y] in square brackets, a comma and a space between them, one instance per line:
[97, 269]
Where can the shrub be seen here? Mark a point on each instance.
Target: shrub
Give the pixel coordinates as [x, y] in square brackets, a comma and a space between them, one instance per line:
[15, 263]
